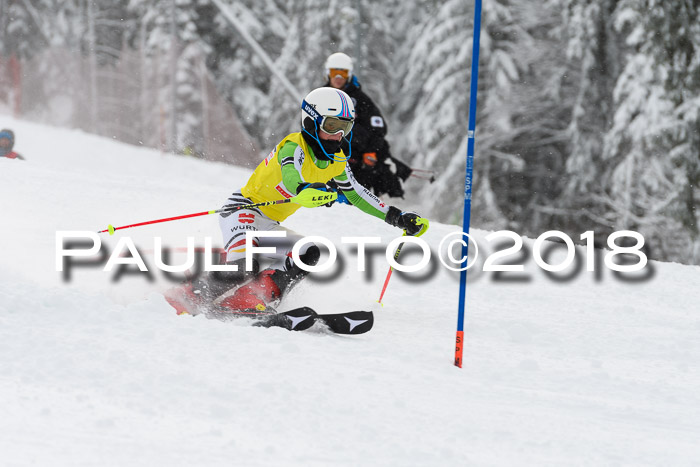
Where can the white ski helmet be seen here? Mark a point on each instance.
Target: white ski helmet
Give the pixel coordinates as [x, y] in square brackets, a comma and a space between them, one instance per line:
[339, 61]
[331, 109]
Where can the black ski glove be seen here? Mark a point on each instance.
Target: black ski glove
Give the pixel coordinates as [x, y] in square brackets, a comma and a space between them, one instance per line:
[403, 220]
[316, 186]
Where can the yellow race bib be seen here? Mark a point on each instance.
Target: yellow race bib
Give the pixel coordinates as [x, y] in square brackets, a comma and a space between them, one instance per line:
[266, 182]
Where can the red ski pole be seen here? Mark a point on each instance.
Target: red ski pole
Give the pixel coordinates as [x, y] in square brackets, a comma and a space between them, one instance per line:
[391, 269]
[112, 229]
[424, 228]
[307, 198]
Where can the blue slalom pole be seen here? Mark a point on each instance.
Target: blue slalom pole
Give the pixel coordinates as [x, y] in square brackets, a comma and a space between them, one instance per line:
[468, 180]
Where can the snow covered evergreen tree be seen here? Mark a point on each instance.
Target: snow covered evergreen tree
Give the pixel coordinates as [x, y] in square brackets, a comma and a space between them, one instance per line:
[526, 99]
[24, 30]
[173, 46]
[593, 57]
[240, 74]
[652, 150]
[435, 103]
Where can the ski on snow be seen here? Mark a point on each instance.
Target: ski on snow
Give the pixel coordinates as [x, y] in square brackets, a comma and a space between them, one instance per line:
[298, 319]
[301, 319]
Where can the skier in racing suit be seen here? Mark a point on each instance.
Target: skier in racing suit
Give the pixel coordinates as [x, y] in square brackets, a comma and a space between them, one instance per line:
[301, 164]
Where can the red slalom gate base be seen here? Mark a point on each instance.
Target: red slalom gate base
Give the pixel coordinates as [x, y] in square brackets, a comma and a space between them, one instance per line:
[458, 348]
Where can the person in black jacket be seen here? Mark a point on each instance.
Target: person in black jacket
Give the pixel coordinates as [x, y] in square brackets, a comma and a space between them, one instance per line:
[370, 158]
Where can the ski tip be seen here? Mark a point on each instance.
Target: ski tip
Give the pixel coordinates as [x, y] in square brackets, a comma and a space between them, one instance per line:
[353, 322]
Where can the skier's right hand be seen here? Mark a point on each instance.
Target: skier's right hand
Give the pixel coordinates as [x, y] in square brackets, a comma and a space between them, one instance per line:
[314, 186]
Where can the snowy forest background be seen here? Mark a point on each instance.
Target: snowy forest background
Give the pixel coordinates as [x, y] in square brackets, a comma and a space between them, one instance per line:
[587, 109]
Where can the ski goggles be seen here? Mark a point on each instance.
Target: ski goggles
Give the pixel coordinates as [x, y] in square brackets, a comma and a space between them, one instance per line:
[333, 125]
[333, 72]
[328, 123]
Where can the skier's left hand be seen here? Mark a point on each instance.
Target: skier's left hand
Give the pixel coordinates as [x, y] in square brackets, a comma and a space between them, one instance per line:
[410, 222]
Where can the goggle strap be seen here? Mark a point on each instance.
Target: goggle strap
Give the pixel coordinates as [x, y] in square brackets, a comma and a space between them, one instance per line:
[308, 108]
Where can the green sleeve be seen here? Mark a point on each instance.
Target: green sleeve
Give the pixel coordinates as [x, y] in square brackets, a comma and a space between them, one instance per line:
[360, 196]
[291, 176]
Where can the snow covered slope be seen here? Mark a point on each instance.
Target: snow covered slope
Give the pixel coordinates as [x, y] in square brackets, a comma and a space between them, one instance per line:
[96, 372]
